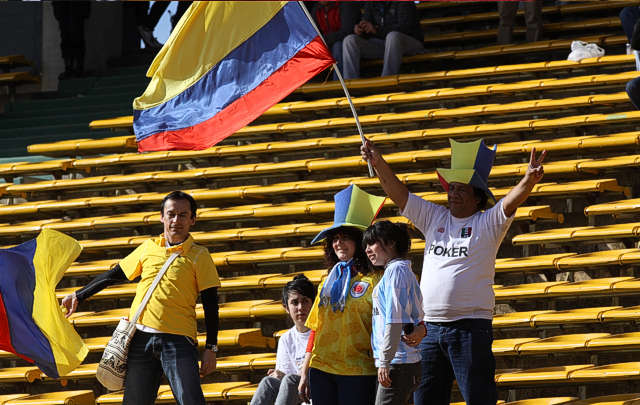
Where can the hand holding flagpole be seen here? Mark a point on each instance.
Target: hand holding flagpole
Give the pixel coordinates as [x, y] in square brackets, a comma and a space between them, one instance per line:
[344, 86]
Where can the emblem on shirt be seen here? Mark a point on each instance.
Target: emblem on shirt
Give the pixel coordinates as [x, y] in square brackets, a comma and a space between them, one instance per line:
[359, 288]
[441, 230]
[466, 232]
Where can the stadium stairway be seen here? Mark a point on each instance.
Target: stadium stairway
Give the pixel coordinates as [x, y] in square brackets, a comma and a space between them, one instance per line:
[567, 277]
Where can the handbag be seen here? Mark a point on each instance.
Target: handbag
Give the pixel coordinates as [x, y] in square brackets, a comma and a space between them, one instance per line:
[112, 368]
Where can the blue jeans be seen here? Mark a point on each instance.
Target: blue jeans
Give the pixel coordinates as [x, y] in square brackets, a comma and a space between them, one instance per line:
[151, 354]
[460, 350]
[333, 389]
[628, 17]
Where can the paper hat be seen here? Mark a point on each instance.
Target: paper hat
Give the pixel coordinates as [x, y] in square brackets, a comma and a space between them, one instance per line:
[471, 163]
[355, 208]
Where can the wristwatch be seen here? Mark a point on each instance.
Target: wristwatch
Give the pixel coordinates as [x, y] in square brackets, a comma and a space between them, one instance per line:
[213, 348]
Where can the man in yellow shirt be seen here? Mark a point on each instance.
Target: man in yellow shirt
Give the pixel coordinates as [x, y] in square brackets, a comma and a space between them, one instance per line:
[165, 340]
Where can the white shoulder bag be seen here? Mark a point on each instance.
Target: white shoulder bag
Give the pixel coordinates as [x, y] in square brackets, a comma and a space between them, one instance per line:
[112, 368]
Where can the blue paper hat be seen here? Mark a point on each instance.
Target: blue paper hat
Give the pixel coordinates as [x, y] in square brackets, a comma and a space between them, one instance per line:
[353, 207]
[471, 163]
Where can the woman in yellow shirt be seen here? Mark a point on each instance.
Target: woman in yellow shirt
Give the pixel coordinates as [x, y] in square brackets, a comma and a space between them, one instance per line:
[339, 366]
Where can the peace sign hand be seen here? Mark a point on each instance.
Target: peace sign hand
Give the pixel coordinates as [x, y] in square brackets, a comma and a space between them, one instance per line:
[535, 171]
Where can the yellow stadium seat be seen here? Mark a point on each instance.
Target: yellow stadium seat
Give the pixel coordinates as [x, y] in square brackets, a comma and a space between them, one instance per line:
[212, 392]
[530, 263]
[503, 347]
[80, 397]
[614, 208]
[561, 343]
[587, 287]
[543, 401]
[582, 233]
[26, 374]
[618, 399]
[241, 393]
[12, 61]
[516, 319]
[576, 315]
[609, 372]
[621, 314]
[7, 397]
[544, 375]
[254, 361]
[630, 340]
[599, 258]
[520, 291]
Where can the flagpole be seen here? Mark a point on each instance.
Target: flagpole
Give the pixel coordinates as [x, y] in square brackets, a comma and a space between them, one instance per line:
[344, 86]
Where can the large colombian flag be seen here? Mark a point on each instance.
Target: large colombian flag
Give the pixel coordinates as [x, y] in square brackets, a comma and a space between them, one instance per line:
[224, 64]
[31, 322]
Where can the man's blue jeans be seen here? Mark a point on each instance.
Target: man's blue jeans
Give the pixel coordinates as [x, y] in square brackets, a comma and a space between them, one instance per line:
[633, 91]
[459, 350]
[151, 354]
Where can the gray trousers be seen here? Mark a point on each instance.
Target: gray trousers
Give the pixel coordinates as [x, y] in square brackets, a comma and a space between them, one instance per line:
[391, 49]
[272, 391]
[532, 17]
[404, 380]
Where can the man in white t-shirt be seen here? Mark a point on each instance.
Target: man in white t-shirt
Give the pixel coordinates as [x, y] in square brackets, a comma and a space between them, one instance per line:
[280, 386]
[459, 266]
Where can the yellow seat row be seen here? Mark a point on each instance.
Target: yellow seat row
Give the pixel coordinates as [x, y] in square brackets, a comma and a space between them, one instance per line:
[13, 78]
[153, 198]
[414, 97]
[577, 316]
[603, 40]
[614, 207]
[597, 23]
[579, 373]
[228, 310]
[562, 144]
[563, 9]
[222, 235]
[79, 397]
[220, 391]
[567, 343]
[588, 165]
[298, 209]
[374, 83]
[92, 145]
[580, 233]
[12, 61]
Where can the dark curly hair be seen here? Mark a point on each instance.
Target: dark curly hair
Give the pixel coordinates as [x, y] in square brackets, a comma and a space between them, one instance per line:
[302, 286]
[360, 261]
[389, 233]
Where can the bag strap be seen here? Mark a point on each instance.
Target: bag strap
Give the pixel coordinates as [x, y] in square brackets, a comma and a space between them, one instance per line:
[153, 286]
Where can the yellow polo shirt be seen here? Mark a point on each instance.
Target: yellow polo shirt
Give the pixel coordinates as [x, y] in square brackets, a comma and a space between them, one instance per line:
[172, 306]
[342, 344]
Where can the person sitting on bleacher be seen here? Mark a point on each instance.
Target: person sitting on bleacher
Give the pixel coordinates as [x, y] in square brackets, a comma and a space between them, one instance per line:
[532, 17]
[335, 20]
[388, 30]
[458, 268]
[280, 386]
[166, 335]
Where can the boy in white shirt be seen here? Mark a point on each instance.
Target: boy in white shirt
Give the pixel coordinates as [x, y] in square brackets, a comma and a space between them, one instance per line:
[280, 386]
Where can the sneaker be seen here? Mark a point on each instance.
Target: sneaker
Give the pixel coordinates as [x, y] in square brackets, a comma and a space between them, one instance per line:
[147, 37]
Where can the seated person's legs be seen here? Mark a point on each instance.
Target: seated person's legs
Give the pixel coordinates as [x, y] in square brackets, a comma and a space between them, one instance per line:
[396, 45]
[507, 11]
[288, 393]
[354, 48]
[267, 391]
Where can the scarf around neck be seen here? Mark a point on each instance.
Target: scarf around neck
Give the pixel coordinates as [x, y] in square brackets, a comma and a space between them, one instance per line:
[335, 289]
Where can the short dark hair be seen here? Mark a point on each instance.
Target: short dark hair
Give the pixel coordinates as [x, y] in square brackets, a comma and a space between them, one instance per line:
[482, 196]
[388, 232]
[360, 261]
[300, 284]
[179, 195]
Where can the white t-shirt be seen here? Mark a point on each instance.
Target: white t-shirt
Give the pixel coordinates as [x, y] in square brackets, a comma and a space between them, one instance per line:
[291, 349]
[396, 299]
[459, 259]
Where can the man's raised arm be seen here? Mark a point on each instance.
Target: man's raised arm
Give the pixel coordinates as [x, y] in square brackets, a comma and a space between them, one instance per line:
[390, 183]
